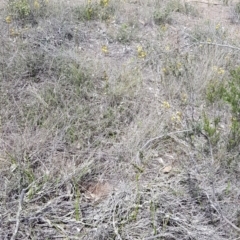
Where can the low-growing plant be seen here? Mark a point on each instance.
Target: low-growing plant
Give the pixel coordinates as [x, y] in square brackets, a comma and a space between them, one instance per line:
[163, 14]
[20, 8]
[209, 33]
[87, 12]
[95, 11]
[229, 92]
[173, 67]
[153, 216]
[27, 9]
[125, 34]
[211, 129]
[214, 90]
[178, 6]
[231, 95]
[161, 17]
[235, 17]
[237, 8]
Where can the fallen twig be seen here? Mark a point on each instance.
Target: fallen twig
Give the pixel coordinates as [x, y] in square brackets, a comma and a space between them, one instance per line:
[220, 45]
[161, 136]
[23, 192]
[210, 43]
[210, 3]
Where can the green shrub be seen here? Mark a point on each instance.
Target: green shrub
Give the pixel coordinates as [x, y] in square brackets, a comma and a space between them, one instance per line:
[125, 34]
[231, 95]
[95, 11]
[163, 14]
[229, 92]
[27, 9]
[20, 8]
[210, 129]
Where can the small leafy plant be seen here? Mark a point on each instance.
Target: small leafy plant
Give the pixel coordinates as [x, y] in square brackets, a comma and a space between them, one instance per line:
[95, 11]
[210, 129]
[20, 8]
[163, 15]
[27, 9]
[231, 95]
[229, 92]
[235, 18]
[125, 34]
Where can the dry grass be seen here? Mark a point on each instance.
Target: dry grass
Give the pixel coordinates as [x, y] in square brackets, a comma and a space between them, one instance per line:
[111, 127]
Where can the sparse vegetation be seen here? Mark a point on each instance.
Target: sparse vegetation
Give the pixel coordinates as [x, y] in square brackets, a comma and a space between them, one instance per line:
[118, 120]
[235, 17]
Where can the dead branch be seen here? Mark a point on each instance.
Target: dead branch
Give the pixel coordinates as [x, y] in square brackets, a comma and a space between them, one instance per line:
[19, 212]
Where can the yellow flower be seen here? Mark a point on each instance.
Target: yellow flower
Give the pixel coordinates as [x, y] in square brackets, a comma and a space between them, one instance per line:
[141, 52]
[179, 115]
[104, 49]
[166, 105]
[167, 48]
[209, 40]
[13, 32]
[36, 4]
[104, 3]
[184, 97]
[179, 65]
[163, 28]
[8, 19]
[221, 71]
[218, 26]
[176, 117]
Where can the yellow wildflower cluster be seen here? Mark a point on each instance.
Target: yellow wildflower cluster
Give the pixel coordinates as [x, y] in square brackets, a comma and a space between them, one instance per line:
[8, 19]
[164, 28]
[104, 3]
[209, 40]
[176, 118]
[218, 26]
[105, 49]
[165, 71]
[184, 97]
[36, 4]
[141, 52]
[179, 65]
[13, 32]
[219, 71]
[166, 105]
